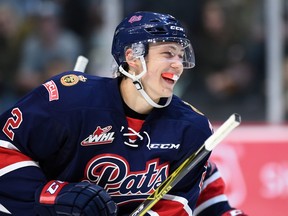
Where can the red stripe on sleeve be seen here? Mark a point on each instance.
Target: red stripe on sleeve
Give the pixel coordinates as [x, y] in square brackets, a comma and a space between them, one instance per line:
[214, 189]
[168, 207]
[9, 156]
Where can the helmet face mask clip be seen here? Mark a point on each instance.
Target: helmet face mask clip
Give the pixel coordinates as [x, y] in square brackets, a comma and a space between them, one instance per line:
[138, 49]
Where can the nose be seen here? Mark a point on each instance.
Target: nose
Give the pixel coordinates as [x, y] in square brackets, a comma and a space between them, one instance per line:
[177, 63]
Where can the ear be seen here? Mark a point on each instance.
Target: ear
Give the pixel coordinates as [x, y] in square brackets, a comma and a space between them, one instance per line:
[129, 55]
[132, 62]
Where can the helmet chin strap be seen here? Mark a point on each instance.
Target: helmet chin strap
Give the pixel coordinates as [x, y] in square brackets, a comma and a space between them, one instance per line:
[137, 83]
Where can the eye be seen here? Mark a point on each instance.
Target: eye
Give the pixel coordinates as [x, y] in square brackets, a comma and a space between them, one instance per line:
[169, 54]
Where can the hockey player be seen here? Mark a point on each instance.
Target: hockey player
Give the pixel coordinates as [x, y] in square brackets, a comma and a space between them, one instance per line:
[86, 145]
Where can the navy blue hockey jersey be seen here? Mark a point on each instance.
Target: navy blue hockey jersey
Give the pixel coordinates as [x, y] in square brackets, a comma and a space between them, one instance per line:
[73, 128]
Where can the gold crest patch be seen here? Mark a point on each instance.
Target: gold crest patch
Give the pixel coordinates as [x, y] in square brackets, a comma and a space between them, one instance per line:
[69, 80]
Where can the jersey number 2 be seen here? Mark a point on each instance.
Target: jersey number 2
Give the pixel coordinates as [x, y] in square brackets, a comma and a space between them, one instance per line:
[13, 123]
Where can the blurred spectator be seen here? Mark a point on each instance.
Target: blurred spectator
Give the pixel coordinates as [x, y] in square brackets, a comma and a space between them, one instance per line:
[98, 40]
[93, 22]
[12, 34]
[77, 17]
[221, 56]
[49, 44]
[223, 80]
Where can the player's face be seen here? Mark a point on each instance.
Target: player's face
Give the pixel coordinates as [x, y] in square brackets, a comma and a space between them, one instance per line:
[164, 67]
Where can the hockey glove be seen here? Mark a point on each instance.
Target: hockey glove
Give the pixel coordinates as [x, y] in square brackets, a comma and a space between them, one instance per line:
[83, 198]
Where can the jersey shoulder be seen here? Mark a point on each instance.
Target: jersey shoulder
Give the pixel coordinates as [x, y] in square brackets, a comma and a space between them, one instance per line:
[76, 89]
[184, 111]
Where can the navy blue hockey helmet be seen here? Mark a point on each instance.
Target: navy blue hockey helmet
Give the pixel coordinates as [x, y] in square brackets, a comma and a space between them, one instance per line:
[148, 27]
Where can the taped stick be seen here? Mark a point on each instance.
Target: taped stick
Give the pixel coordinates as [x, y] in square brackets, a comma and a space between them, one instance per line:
[232, 122]
[81, 64]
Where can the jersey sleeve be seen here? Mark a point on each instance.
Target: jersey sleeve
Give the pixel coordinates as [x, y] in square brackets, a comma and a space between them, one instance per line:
[20, 177]
[24, 148]
[212, 199]
[40, 128]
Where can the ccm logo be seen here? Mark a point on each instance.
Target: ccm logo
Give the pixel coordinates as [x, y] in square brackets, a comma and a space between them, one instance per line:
[164, 146]
[177, 28]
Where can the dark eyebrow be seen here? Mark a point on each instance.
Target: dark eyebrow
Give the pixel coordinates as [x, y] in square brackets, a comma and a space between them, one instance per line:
[175, 48]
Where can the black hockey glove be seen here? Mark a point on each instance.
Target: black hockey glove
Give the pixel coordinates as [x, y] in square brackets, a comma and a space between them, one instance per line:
[83, 198]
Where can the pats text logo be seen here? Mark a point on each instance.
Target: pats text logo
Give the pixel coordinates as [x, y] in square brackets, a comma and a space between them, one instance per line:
[100, 136]
[114, 173]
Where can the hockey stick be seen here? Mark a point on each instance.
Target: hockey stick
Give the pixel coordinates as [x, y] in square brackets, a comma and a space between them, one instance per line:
[232, 122]
[81, 64]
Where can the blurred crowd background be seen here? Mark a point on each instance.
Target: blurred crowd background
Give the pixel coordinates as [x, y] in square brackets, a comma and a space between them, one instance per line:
[40, 38]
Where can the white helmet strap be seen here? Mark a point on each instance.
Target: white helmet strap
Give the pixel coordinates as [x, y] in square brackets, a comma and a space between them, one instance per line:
[138, 85]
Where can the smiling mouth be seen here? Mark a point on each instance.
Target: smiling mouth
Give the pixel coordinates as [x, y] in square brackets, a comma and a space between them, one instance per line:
[170, 76]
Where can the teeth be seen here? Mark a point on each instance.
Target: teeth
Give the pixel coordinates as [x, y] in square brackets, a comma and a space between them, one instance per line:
[170, 76]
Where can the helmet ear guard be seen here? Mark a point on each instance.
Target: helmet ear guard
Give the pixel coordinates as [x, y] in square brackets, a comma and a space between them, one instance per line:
[137, 50]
